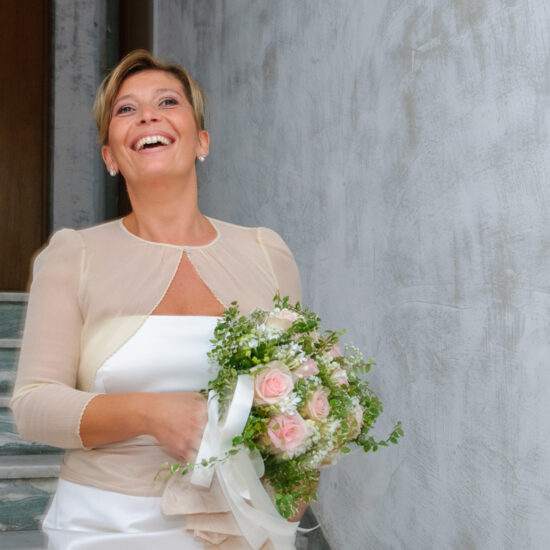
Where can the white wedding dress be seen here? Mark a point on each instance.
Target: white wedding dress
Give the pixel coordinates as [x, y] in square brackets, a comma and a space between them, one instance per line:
[167, 354]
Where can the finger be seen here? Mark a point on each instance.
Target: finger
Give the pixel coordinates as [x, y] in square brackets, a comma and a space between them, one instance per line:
[191, 454]
[199, 419]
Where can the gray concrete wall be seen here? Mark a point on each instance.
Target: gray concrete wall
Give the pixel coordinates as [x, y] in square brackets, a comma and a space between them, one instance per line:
[402, 150]
[78, 62]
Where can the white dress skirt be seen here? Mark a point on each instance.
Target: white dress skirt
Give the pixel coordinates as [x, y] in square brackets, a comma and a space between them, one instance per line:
[167, 354]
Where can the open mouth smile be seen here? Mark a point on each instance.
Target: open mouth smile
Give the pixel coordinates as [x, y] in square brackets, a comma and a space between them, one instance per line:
[152, 142]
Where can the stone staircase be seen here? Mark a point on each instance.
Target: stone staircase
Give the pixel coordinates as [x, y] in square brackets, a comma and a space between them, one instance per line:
[28, 471]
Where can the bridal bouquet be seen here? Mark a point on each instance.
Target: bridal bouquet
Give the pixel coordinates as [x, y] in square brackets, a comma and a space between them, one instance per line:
[307, 399]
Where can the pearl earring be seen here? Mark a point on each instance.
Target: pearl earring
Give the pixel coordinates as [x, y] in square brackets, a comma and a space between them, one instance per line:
[112, 171]
[202, 157]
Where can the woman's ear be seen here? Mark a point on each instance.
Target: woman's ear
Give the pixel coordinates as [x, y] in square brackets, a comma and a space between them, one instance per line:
[203, 147]
[108, 160]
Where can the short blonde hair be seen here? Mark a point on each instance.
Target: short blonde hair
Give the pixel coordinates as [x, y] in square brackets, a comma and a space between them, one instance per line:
[135, 62]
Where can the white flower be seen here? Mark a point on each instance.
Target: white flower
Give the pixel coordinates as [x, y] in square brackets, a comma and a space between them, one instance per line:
[290, 403]
[315, 381]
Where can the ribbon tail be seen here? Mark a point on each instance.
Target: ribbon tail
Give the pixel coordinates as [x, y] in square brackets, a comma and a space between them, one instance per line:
[209, 447]
[258, 521]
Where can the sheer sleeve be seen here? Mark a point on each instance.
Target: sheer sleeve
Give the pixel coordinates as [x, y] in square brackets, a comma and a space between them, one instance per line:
[45, 403]
[285, 270]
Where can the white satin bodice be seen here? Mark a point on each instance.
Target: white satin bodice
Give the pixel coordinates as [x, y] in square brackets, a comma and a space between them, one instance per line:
[167, 354]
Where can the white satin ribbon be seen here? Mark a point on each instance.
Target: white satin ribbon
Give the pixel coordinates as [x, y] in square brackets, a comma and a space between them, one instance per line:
[239, 475]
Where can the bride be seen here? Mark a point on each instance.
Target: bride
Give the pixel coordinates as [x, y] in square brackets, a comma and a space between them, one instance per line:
[119, 321]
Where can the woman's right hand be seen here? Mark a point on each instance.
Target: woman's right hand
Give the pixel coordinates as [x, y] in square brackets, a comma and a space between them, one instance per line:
[177, 422]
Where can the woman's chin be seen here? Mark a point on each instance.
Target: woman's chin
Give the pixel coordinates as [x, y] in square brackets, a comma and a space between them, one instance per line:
[156, 173]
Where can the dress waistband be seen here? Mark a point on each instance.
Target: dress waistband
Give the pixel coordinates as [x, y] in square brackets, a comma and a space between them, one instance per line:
[132, 467]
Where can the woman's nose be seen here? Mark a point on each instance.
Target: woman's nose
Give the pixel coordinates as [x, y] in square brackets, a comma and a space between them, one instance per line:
[147, 114]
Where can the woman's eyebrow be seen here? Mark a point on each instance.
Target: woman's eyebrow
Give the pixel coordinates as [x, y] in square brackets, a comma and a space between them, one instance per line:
[124, 97]
[162, 90]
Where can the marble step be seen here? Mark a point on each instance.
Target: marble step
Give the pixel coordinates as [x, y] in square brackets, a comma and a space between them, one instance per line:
[29, 466]
[23, 540]
[14, 297]
[11, 444]
[12, 313]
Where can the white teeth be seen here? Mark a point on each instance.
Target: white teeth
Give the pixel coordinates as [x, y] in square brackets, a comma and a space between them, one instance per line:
[152, 139]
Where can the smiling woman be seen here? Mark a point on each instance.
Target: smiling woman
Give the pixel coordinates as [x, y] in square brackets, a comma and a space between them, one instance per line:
[119, 321]
[150, 119]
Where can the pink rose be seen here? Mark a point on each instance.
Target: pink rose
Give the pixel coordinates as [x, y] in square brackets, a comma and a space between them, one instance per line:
[335, 351]
[317, 407]
[272, 384]
[307, 368]
[282, 319]
[356, 422]
[340, 376]
[287, 432]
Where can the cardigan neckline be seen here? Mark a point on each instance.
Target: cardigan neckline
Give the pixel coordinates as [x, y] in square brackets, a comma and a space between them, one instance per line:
[176, 246]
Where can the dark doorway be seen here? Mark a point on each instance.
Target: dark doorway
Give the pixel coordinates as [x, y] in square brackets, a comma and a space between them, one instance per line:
[24, 107]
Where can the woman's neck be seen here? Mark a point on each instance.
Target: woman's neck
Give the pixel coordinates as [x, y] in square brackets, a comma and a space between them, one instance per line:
[168, 214]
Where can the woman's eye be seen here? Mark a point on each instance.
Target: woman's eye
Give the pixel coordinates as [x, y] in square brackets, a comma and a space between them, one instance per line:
[124, 109]
[168, 101]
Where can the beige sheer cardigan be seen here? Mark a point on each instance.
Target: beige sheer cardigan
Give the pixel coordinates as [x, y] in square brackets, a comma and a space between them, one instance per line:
[91, 291]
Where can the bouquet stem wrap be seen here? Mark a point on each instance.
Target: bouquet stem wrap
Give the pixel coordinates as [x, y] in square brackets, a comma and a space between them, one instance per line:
[238, 488]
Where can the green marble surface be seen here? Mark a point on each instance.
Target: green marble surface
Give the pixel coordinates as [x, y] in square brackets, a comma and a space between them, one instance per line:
[23, 503]
[8, 369]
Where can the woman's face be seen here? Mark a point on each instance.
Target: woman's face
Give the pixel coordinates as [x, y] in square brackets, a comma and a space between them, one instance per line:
[152, 132]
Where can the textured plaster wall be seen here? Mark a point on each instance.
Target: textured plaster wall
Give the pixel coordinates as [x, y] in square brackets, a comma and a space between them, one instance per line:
[402, 150]
[78, 54]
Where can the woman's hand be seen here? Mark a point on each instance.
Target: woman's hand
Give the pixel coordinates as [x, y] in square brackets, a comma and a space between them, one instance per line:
[176, 420]
[302, 507]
